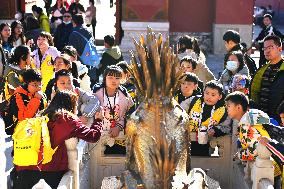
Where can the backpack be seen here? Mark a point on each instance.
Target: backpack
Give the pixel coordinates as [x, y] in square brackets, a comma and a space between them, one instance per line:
[90, 55]
[32, 142]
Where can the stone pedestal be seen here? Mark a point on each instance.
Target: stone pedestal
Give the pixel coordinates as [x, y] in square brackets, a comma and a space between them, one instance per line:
[262, 167]
[135, 29]
[219, 30]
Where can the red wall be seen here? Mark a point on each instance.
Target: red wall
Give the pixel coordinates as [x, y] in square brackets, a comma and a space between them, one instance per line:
[234, 11]
[191, 15]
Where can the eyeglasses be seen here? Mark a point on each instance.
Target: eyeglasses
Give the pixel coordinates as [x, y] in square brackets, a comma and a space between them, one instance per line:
[66, 16]
[270, 47]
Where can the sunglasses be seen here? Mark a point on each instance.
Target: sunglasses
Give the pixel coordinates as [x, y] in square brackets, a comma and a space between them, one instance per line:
[66, 16]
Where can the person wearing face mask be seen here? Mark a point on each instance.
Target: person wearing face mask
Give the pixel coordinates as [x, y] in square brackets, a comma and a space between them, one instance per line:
[61, 36]
[235, 64]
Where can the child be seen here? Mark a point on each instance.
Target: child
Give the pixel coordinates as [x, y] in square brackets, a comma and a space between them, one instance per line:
[88, 104]
[63, 125]
[26, 101]
[251, 127]
[188, 64]
[237, 106]
[188, 88]
[125, 80]
[207, 113]
[116, 103]
[83, 70]
[60, 63]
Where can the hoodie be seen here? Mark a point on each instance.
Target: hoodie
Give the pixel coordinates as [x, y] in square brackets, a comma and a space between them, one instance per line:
[111, 56]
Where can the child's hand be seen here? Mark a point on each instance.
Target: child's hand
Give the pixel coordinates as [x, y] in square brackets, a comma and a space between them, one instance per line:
[263, 140]
[99, 115]
[38, 95]
[114, 132]
[84, 120]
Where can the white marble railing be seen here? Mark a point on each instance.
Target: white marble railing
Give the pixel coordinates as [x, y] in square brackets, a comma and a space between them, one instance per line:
[77, 176]
[257, 175]
[262, 173]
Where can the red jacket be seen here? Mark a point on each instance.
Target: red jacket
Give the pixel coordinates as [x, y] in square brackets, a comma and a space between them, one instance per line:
[63, 128]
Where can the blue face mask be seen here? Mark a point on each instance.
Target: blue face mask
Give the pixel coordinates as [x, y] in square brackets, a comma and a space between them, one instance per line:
[232, 65]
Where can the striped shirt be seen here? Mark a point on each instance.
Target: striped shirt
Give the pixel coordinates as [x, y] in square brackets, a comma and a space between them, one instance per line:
[267, 79]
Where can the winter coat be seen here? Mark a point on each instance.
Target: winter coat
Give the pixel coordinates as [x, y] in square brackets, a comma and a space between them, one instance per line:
[23, 105]
[84, 79]
[126, 105]
[64, 127]
[276, 90]
[61, 36]
[250, 129]
[88, 104]
[227, 77]
[44, 23]
[202, 70]
[111, 56]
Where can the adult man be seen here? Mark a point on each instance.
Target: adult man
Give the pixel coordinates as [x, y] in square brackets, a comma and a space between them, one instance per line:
[232, 43]
[267, 89]
[267, 30]
[76, 8]
[61, 36]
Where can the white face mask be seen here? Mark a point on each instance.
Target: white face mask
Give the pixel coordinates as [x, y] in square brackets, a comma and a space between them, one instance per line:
[232, 65]
[67, 22]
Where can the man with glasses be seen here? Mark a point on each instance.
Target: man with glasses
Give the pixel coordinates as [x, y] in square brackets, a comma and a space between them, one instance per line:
[61, 36]
[267, 86]
[267, 30]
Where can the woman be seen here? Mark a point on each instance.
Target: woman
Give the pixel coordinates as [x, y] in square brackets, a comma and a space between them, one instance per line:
[188, 46]
[44, 56]
[20, 60]
[91, 16]
[57, 12]
[17, 37]
[235, 64]
[42, 19]
[5, 33]
[63, 124]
